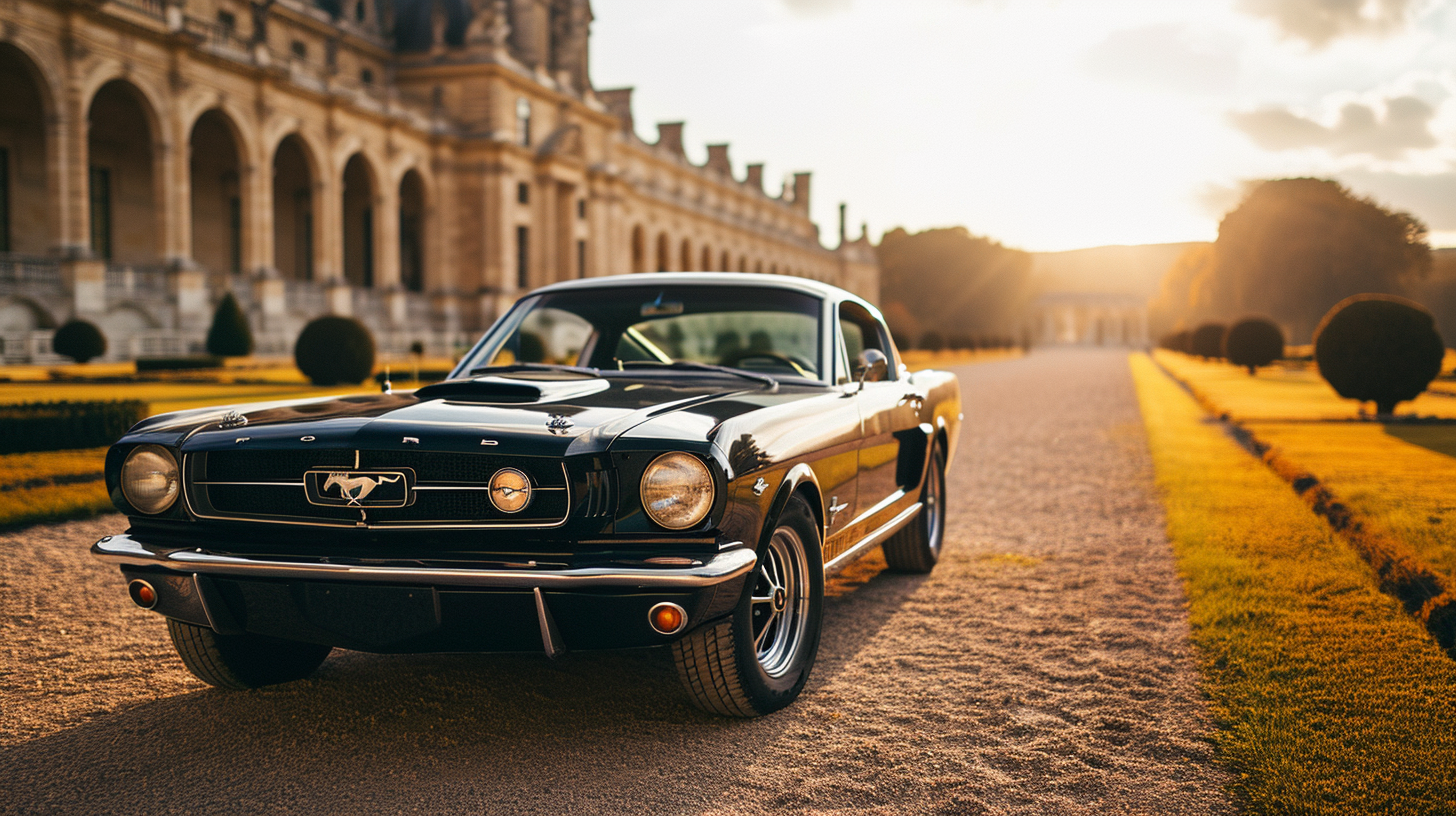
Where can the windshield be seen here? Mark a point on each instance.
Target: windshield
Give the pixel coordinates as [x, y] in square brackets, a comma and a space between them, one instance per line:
[755, 329]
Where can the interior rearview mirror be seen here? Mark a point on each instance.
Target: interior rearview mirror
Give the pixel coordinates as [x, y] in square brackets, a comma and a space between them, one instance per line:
[871, 366]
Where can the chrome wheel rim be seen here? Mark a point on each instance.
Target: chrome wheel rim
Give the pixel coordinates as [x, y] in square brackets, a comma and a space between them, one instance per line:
[934, 508]
[779, 604]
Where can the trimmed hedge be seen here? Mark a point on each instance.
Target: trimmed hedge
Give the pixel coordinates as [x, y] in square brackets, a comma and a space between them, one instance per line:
[80, 340]
[1206, 341]
[1253, 342]
[229, 335]
[48, 426]
[189, 363]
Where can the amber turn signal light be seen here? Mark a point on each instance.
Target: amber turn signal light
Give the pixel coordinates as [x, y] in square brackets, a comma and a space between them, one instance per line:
[142, 594]
[667, 618]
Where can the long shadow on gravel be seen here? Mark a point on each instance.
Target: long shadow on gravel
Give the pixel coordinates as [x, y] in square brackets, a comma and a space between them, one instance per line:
[607, 732]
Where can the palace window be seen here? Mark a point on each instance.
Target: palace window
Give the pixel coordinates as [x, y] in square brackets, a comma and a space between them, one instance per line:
[100, 199]
[4, 200]
[523, 193]
[581, 208]
[227, 21]
[299, 49]
[523, 257]
[523, 122]
[581, 259]
[366, 76]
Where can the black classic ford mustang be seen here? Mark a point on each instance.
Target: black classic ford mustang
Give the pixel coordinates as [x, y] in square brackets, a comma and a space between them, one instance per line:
[645, 460]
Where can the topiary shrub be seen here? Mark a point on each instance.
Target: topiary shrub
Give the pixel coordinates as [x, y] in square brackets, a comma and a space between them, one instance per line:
[1253, 342]
[229, 335]
[1378, 348]
[932, 341]
[333, 349]
[80, 340]
[1206, 341]
[1176, 341]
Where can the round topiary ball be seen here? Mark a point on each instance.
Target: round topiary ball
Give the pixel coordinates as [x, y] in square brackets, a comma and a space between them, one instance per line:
[1207, 341]
[1253, 342]
[80, 340]
[1378, 348]
[333, 349]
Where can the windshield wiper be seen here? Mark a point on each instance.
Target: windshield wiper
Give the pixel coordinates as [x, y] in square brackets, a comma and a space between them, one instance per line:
[692, 366]
[506, 369]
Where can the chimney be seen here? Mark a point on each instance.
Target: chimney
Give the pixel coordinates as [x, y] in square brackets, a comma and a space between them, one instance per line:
[718, 159]
[801, 191]
[754, 178]
[619, 104]
[669, 137]
[843, 229]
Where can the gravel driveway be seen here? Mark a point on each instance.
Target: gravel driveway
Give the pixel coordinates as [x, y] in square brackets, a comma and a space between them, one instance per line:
[1043, 667]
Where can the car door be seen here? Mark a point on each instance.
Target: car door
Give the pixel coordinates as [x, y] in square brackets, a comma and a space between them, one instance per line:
[890, 417]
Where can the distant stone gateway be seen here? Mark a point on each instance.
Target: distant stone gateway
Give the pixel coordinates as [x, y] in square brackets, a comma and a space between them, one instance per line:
[416, 164]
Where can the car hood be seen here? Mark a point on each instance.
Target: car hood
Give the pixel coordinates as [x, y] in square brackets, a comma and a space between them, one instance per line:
[564, 416]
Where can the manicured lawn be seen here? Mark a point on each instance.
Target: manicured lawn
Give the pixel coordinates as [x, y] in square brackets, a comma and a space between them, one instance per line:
[1398, 475]
[51, 485]
[1328, 698]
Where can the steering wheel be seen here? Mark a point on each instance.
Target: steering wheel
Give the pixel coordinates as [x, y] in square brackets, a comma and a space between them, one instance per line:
[733, 358]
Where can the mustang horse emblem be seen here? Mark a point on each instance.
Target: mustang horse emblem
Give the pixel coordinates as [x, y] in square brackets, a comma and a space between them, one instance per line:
[355, 488]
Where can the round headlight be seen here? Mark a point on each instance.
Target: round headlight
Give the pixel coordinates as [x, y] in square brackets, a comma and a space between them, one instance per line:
[149, 479]
[677, 490]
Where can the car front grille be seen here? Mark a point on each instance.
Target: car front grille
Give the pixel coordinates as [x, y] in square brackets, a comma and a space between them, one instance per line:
[448, 489]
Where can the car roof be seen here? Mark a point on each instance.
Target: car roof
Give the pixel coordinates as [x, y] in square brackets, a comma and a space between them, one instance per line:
[813, 287]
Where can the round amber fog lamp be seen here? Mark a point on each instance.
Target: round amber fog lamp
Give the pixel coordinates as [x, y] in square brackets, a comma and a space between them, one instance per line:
[510, 490]
[667, 618]
[149, 479]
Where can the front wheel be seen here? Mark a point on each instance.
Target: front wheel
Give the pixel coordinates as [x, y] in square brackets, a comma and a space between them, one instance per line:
[243, 661]
[916, 546]
[758, 660]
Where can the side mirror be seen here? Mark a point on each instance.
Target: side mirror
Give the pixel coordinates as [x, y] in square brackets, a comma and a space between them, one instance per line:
[871, 366]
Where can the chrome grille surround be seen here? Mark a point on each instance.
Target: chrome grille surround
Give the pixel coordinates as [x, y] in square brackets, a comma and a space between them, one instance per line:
[459, 500]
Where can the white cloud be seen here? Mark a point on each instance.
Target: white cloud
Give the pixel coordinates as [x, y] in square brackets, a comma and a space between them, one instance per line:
[1318, 22]
[811, 8]
[1358, 130]
[1167, 56]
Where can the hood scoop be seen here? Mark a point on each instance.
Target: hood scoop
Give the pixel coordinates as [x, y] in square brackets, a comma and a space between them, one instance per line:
[512, 391]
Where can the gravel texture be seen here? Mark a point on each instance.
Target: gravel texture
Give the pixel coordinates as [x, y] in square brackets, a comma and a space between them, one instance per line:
[1043, 667]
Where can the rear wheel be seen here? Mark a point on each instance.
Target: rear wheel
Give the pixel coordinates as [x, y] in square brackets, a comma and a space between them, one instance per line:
[916, 546]
[243, 661]
[758, 660]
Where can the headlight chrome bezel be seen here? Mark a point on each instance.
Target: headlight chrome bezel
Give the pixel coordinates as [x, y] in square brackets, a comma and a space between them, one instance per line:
[167, 467]
[683, 505]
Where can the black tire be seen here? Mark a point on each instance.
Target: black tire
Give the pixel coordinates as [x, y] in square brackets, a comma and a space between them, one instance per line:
[243, 661]
[916, 546]
[742, 666]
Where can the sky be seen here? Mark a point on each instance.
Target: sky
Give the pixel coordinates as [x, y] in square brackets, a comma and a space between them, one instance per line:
[1051, 124]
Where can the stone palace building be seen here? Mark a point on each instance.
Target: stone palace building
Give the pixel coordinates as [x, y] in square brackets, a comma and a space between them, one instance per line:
[415, 163]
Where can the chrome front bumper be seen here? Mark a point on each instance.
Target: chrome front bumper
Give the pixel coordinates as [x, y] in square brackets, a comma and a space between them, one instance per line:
[127, 551]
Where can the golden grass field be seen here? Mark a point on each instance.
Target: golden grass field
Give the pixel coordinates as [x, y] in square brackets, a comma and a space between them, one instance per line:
[1328, 698]
[1398, 475]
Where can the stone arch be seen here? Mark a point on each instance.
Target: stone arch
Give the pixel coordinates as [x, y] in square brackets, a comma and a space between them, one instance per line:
[360, 191]
[639, 249]
[125, 207]
[742, 263]
[26, 222]
[296, 206]
[686, 255]
[217, 165]
[664, 252]
[21, 314]
[413, 214]
[726, 263]
[707, 264]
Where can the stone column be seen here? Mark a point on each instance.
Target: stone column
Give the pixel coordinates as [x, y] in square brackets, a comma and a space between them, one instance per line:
[73, 187]
[188, 285]
[85, 278]
[386, 238]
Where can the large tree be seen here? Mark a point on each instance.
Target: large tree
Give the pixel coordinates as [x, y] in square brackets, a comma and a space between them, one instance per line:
[1295, 247]
[952, 282]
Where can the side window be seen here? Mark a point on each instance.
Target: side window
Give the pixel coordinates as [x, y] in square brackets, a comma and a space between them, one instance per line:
[546, 336]
[860, 330]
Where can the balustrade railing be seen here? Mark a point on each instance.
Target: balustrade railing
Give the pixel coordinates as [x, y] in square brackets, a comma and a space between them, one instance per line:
[128, 281]
[17, 271]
